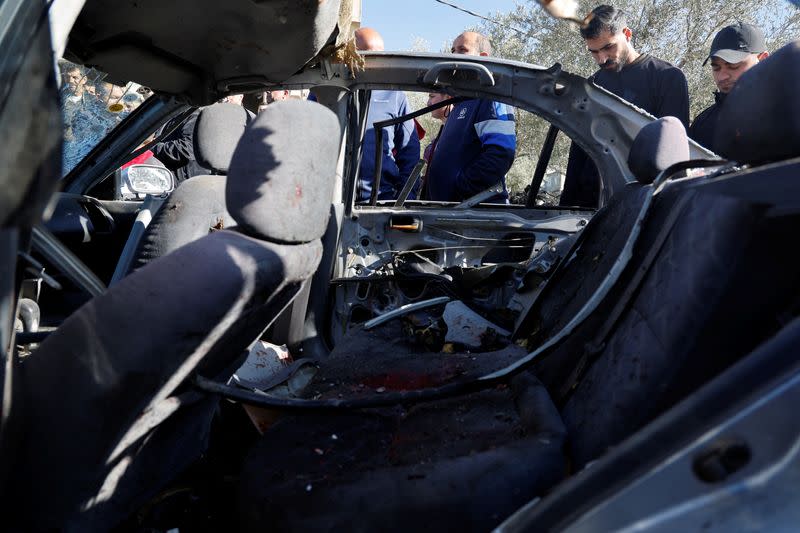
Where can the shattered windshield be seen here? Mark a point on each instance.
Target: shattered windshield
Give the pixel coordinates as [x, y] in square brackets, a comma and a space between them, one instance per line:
[90, 108]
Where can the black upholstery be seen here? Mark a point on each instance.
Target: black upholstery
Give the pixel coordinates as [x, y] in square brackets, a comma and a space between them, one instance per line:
[760, 120]
[685, 323]
[570, 288]
[120, 360]
[685, 316]
[658, 145]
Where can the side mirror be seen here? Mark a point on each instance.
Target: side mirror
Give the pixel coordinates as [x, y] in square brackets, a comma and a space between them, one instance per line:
[137, 181]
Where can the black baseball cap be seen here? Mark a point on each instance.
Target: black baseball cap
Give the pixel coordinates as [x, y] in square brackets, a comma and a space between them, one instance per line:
[734, 43]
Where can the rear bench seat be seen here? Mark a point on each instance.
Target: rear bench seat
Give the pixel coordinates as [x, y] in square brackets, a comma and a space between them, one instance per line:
[705, 285]
[697, 310]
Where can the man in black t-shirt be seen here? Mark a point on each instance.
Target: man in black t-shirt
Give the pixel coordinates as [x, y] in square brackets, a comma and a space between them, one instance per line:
[646, 81]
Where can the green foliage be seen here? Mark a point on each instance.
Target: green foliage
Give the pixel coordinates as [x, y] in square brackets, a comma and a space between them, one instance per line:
[431, 125]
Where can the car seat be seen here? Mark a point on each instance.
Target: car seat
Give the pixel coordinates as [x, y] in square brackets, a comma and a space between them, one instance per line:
[104, 394]
[197, 206]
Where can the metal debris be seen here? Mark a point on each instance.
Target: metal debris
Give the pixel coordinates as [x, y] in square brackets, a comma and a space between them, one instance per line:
[377, 321]
[468, 328]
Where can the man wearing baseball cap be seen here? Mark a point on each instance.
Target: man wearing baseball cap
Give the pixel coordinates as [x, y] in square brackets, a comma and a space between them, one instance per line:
[734, 50]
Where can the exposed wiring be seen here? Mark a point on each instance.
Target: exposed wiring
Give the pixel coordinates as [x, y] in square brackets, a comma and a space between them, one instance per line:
[306, 405]
[487, 19]
[423, 258]
[489, 239]
[559, 9]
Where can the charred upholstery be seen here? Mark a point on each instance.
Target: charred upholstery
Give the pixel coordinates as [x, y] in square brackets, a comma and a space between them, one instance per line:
[461, 464]
[760, 121]
[197, 206]
[118, 365]
[679, 321]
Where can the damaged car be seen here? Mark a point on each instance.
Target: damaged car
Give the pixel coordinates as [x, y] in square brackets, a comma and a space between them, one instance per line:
[254, 348]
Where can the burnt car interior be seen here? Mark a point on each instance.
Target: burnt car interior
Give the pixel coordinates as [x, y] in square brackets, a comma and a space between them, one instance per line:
[451, 366]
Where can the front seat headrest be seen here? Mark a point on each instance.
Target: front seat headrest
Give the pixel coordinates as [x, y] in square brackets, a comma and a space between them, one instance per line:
[658, 146]
[216, 134]
[280, 184]
[760, 119]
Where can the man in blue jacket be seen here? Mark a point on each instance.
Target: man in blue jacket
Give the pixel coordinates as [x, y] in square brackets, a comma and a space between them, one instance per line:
[400, 142]
[477, 143]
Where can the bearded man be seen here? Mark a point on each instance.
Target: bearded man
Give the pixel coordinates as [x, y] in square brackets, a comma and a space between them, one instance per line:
[646, 81]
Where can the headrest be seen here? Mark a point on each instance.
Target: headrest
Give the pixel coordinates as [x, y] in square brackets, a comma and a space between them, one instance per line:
[658, 146]
[216, 134]
[280, 184]
[760, 120]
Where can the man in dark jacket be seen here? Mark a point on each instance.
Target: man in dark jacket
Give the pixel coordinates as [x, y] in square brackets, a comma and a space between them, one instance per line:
[176, 150]
[734, 50]
[646, 81]
[476, 146]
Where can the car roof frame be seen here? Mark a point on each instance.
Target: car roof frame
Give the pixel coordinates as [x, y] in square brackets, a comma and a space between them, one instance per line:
[601, 123]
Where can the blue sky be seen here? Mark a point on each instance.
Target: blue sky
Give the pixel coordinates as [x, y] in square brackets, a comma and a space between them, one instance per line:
[401, 21]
